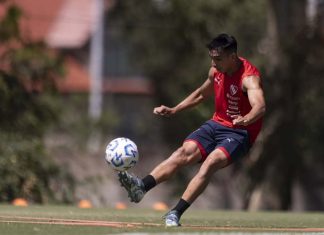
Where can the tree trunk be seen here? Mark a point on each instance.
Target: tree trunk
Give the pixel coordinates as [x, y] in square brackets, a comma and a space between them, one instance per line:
[275, 171]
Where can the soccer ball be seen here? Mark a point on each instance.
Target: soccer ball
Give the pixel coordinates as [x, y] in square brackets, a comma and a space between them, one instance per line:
[121, 154]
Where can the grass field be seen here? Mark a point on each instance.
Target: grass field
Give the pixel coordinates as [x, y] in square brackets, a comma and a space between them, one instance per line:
[68, 220]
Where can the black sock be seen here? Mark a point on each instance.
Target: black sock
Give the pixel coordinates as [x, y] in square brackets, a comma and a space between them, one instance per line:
[149, 182]
[181, 206]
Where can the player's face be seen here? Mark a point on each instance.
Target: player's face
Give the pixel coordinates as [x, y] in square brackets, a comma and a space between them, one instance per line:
[221, 60]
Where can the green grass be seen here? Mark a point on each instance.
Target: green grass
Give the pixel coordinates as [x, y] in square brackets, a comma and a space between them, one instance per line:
[13, 221]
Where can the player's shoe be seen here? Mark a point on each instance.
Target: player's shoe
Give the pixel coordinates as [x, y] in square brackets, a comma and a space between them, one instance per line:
[133, 185]
[172, 219]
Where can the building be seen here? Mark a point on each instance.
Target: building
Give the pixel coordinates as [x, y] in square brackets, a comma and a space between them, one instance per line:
[67, 26]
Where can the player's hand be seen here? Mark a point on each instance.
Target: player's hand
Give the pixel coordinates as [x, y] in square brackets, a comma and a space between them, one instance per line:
[239, 120]
[164, 111]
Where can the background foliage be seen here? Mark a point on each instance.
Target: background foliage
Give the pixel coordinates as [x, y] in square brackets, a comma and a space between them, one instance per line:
[167, 40]
[168, 43]
[27, 109]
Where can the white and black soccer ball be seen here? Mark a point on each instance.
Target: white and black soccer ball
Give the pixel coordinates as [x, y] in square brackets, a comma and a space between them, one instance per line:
[121, 154]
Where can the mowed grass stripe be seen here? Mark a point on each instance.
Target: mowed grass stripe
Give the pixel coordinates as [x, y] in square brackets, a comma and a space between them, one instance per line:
[32, 220]
[69, 221]
[56, 219]
[141, 225]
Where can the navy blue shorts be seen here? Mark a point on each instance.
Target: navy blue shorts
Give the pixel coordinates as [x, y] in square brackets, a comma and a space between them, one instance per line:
[212, 135]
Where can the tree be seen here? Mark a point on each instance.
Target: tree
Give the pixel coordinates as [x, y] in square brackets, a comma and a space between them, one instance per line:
[168, 41]
[27, 108]
[167, 38]
[293, 132]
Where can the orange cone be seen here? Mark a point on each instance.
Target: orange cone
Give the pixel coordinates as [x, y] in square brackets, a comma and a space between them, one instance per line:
[160, 206]
[120, 206]
[84, 204]
[20, 202]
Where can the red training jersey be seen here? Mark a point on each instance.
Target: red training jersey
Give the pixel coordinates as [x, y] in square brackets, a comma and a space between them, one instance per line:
[231, 100]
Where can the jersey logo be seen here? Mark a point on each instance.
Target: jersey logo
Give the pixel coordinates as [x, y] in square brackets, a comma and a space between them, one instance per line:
[233, 89]
[217, 80]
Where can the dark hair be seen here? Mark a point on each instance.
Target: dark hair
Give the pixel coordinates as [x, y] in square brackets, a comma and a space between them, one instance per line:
[223, 42]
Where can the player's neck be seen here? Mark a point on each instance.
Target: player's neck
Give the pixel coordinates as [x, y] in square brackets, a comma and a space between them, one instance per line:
[237, 65]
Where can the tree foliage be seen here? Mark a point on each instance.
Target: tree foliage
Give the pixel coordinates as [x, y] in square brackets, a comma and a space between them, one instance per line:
[168, 41]
[27, 108]
[293, 150]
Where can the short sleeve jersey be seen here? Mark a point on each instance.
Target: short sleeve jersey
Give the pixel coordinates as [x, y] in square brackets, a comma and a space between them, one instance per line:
[231, 100]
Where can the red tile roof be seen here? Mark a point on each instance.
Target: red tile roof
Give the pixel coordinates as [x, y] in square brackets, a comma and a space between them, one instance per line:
[67, 24]
[76, 79]
[38, 17]
[73, 24]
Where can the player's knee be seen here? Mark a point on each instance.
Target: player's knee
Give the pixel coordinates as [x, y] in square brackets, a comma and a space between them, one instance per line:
[218, 159]
[212, 164]
[183, 155]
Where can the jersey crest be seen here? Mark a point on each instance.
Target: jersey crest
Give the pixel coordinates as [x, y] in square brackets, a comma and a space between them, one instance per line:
[233, 89]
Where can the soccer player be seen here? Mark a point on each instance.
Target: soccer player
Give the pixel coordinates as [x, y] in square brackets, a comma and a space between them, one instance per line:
[239, 106]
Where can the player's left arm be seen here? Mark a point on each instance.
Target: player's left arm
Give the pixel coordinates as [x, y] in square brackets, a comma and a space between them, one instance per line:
[252, 85]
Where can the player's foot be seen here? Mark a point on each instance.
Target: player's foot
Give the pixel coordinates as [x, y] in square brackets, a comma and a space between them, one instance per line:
[172, 219]
[133, 185]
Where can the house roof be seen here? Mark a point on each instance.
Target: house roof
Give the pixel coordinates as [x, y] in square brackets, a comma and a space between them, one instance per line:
[79, 82]
[67, 24]
[73, 24]
[60, 23]
[38, 17]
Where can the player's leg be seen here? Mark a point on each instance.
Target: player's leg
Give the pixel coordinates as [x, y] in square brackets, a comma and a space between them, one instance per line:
[189, 153]
[231, 144]
[215, 160]
[194, 149]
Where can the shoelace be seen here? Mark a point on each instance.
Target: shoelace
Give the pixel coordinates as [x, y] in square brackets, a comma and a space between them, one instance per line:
[173, 218]
[173, 215]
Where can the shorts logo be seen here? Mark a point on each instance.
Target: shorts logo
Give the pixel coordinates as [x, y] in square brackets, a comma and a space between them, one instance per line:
[233, 89]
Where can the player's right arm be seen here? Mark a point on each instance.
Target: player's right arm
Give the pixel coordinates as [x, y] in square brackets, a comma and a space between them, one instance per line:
[195, 98]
